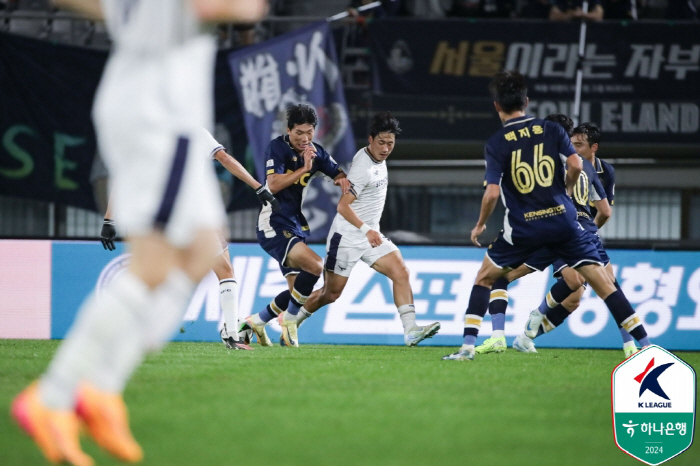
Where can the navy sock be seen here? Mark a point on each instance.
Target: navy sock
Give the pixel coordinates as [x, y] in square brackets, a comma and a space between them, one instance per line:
[478, 304]
[626, 318]
[557, 315]
[277, 305]
[303, 286]
[498, 303]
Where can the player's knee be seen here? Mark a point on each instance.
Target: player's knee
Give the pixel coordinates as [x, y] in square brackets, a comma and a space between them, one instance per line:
[574, 281]
[316, 267]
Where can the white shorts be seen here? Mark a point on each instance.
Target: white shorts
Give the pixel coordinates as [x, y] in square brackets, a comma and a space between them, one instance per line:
[343, 252]
[149, 134]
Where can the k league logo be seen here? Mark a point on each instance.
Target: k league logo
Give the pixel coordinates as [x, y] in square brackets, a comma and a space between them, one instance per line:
[653, 401]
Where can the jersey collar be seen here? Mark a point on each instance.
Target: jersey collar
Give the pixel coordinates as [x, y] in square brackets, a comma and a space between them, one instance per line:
[517, 120]
[372, 158]
[599, 166]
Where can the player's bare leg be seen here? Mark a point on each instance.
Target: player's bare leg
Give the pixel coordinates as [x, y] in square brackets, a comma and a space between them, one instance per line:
[393, 266]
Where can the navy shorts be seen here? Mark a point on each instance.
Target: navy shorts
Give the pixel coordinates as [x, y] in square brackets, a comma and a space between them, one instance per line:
[279, 246]
[544, 257]
[579, 248]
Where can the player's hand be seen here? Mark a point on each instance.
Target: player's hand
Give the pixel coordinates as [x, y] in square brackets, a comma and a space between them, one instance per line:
[344, 184]
[108, 234]
[374, 238]
[266, 197]
[309, 155]
[478, 229]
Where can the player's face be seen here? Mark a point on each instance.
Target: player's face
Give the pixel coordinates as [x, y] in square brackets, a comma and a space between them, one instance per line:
[381, 146]
[580, 143]
[301, 136]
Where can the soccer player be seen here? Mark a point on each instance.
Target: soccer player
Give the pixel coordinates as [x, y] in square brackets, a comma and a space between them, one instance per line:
[355, 233]
[292, 161]
[525, 165]
[586, 140]
[155, 94]
[228, 286]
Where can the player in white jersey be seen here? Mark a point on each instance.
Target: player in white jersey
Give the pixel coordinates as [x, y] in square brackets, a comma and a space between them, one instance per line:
[155, 95]
[355, 233]
[228, 286]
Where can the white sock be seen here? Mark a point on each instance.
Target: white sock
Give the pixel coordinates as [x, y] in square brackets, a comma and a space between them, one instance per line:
[469, 348]
[498, 334]
[257, 320]
[407, 313]
[91, 340]
[155, 327]
[228, 294]
[302, 316]
[629, 344]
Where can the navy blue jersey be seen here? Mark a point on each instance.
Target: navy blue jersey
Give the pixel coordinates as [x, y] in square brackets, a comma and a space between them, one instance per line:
[587, 190]
[281, 158]
[526, 158]
[606, 174]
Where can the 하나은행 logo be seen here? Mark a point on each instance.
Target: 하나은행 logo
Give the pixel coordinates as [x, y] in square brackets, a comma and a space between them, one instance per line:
[653, 404]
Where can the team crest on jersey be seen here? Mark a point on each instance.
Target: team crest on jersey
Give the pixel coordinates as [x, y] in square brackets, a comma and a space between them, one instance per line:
[287, 234]
[294, 159]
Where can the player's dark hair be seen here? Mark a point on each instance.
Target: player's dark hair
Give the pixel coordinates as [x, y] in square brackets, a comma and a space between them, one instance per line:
[566, 122]
[301, 114]
[383, 122]
[509, 91]
[591, 131]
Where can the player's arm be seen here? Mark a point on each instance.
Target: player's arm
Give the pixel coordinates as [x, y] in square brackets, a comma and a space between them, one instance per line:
[90, 8]
[555, 14]
[342, 180]
[573, 171]
[236, 169]
[345, 209]
[488, 203]
[604, 212]
[279, 181]
[244, 11]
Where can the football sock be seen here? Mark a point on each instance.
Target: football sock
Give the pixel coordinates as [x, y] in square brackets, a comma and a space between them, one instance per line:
[553, 319]
[625, 316]
[100, 319]
[558, 293]
[498, 303]
[276, 306]
[302, 316]
[626, 337]
[478, 304]
[153, 330]
[407, 313]
[303, 286]
[228, 296]
[629, 344]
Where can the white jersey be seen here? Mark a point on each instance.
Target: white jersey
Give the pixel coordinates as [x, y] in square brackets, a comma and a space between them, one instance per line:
[213, 145]
[370, 181]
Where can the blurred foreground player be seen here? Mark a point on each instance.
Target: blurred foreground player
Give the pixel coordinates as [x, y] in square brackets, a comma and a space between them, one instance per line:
[525, 165]
[155, 95]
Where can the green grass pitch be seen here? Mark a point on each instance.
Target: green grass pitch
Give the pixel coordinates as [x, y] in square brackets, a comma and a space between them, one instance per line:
[200, 404]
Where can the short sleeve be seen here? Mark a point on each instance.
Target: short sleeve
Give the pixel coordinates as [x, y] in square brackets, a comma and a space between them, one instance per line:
[326, 164]
[494, 166]
[359, 177]
[212, 144]
[597, 191]
[275, 160]
[610, 183]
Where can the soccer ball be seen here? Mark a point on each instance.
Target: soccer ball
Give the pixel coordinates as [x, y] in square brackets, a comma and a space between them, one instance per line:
[245, 332]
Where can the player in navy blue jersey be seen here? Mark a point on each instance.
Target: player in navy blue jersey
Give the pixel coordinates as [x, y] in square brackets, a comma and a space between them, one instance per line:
[532, 166]
[292, 161]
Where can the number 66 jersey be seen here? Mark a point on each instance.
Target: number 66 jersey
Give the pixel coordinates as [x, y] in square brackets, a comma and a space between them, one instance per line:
[527, 159]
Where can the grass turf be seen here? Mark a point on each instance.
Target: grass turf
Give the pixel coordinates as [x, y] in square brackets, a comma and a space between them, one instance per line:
[200, 404]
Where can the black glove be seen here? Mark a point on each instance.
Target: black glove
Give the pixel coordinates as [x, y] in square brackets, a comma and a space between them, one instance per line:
[108, 234]
[266, 196]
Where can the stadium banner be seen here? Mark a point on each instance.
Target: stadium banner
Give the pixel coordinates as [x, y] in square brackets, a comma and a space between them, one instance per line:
[300, 66]
[639, 79]
[47, 141]
[663, 287]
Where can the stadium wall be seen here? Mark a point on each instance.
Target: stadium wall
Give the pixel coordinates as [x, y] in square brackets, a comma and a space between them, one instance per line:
[42, 283]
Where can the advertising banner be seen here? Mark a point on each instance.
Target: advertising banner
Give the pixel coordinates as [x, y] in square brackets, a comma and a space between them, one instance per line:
[638, 79]
[298, 67]
[663, 287]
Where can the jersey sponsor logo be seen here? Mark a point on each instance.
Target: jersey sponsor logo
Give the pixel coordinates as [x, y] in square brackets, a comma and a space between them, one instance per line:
[271, 163]
[542, 213]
